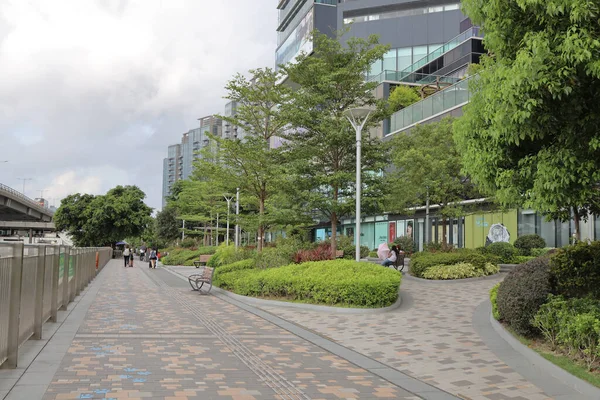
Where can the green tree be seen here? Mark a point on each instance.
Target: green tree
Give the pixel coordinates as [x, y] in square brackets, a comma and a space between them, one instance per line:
[530, 133]
[104, 220]
[252, 164]
[402, 96]
[426, 163]
[322, 141]
[72, 216]
[167, 224]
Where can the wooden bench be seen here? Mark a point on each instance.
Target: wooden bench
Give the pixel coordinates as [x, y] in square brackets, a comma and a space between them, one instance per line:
[202, 260]
[198, 280]
[339, 254]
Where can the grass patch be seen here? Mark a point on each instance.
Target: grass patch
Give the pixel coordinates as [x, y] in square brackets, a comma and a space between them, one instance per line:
[573, 367]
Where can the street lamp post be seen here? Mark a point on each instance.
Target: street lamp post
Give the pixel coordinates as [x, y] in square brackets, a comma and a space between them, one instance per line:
[228, 199]
[237, 212]
[24, 180]
[358, 118]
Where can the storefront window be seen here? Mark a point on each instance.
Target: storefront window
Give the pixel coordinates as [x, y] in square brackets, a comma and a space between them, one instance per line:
[547, 231]
[389, 60]
[597, 228]
[404, 58]
[526, 222]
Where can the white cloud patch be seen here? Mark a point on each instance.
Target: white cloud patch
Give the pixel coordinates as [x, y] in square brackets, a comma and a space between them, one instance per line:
[93, 91]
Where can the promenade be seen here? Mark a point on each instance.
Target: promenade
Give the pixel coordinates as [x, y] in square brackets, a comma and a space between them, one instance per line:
[137, 333]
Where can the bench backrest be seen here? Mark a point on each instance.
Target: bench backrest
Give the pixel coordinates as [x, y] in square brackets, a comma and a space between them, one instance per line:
[205, 257]
[208, 273]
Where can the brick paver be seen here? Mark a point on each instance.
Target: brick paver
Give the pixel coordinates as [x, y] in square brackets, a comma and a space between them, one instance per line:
[146, 336]
[430, 337]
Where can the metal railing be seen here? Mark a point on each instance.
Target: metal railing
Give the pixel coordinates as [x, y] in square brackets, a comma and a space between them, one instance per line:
[409, 74]
[438, 103]
[35, 282]
[30, 202]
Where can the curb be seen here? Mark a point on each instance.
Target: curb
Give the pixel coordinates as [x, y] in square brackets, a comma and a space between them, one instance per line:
[481, 278]
[554, 381]
[308, 307]
[555, 371]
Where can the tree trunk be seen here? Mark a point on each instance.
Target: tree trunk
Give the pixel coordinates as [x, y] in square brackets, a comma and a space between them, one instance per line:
[261, 228]
[444, 230]
[205, 234]
[577, 218]
[333, 234]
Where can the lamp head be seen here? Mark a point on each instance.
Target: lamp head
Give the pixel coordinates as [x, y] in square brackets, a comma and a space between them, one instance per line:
[358, 113]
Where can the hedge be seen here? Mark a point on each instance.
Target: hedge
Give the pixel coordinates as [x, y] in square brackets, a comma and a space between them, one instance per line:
[459, 271]
[576, 270]
[420, 262]
[504, 252]
[332, 282]
[572, 325]
[526, 243]
[181, 256]
[225, 255]
[522, 293]
[493, 300]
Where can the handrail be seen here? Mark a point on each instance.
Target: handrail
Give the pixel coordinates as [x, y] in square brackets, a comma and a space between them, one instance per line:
[32, 203]
[438, 103]
[472, 32]
[409, 75]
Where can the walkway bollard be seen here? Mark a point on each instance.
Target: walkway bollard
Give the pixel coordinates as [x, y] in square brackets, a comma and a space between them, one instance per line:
[66, 265]
[38, 313]
[15, 307]
[55, 277]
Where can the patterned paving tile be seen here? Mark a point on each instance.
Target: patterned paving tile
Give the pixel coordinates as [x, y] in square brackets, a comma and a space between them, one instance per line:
[142, 339]
[431, 339]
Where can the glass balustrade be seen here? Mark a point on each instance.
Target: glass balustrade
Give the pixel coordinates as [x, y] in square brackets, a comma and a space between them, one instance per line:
[435, 104]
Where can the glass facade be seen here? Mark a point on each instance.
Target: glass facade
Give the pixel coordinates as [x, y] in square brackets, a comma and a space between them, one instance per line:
[299, 40]
[401, 13]
[401, 58]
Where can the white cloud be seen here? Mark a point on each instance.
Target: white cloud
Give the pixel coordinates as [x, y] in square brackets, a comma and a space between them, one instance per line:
[93, 91]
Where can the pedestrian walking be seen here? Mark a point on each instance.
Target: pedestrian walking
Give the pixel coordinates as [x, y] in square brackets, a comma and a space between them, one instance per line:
[131, 255]
[126, 254]
[153, 257]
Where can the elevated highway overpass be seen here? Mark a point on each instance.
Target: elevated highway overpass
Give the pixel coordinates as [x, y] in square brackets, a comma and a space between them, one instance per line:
[19, 212]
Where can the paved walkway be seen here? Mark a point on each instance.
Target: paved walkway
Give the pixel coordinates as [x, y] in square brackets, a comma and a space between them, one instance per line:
[431, 337]
[146, 335]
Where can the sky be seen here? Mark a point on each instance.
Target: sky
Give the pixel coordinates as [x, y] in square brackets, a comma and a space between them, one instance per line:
[93, 91]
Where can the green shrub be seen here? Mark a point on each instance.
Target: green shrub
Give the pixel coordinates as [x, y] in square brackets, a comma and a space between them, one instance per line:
[373, 254]
[332, 282]
[236, 266]
[505, 252]
[186, 257]
[420, 262]
[525, 243]
[459, 271]
[576, 270]
[406, 244]
[438, 247]
[189, 243]
[272, 257]
[522, 293]
[225, 255]
[573, 325]
[522, 259]
[350, 252]
[540, 252]
[493, 300]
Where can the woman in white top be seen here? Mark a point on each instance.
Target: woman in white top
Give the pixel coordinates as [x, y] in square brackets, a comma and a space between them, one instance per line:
[126, 254]
[391, 258]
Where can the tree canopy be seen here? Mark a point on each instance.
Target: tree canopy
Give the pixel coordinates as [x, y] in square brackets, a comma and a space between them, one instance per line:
[401, 97]
[105, 219]
[530, 134]
[427, 163]
[322, 142]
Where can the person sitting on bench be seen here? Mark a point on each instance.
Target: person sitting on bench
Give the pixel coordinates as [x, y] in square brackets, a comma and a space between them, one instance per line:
[392, 257]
